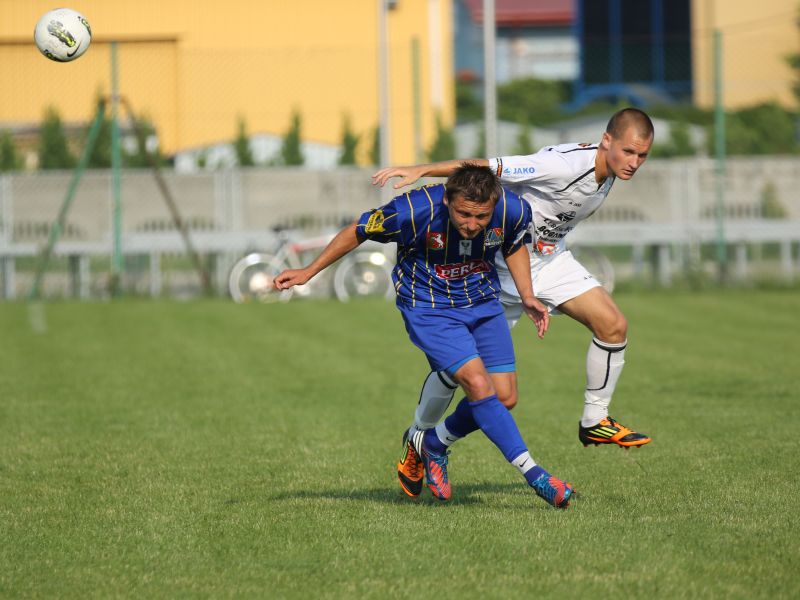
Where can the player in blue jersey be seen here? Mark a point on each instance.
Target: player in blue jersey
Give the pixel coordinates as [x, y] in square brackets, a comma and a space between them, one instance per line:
[564, 185]
[447, 292]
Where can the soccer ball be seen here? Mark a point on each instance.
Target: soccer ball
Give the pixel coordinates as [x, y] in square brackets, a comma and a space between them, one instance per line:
[62, 35]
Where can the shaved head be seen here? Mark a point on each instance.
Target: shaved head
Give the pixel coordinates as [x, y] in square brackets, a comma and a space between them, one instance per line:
[628, 118]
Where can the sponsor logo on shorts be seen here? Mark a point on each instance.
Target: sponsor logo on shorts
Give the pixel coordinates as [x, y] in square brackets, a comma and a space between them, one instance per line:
[435, 240]
[375, 222]
[494, 237]
[461, 270]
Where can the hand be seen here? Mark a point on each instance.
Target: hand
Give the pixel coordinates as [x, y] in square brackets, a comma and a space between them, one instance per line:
[539, 314]
[290, 278]
[408, 175]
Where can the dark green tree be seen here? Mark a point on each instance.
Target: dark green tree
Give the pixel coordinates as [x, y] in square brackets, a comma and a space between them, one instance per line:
[679, 144]
[480, 146]
[349, 143]
[524, 145]
[771, 206]
[762, 129]
[794, 63]
[53, 149]
[375, 151]
[468, 107]
[10, 160]
[535, 101]
[444, 145]
[241, 145]
[100, 157]
[138, 157]
[291, 152]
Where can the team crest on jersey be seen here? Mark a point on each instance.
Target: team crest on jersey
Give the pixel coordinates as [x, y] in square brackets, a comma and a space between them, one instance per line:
[462, 270]
[494, 237]
[375, 222]
[465, 247]
[435, 240]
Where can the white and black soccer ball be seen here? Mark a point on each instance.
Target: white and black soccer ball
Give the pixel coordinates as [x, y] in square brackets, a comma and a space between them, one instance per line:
[62, 34]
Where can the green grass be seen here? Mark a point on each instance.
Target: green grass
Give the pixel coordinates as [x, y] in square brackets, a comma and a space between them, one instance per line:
[161, 450]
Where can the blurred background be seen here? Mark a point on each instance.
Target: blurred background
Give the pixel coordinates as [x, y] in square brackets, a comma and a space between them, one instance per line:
[265, 116]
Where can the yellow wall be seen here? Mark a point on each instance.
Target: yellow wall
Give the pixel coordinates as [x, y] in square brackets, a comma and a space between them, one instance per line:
[195, 67]
[756, 38]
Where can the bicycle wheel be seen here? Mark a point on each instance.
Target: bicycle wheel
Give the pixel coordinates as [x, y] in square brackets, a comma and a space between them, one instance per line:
[597, 264]
[363, 274]
[251, 278]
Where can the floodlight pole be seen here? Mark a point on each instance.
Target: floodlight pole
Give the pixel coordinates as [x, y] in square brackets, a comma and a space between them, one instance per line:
[116, 179]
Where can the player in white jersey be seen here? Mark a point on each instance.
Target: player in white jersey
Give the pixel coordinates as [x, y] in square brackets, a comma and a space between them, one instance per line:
[564, 185]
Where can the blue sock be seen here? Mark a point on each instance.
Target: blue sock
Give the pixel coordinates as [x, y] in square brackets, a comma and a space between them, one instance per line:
[461, 422]
[533, 474]
[431, 442]
[496, 422]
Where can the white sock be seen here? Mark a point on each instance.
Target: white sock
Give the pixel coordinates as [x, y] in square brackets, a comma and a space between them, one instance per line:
[436, 395]
[604, 363]
[524, 462]
[444, 435]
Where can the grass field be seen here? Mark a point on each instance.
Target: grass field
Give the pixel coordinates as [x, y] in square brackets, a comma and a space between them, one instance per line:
[205, 449]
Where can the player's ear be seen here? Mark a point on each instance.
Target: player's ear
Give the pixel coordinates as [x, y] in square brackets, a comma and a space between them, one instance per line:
[444, 200]
[605, 141]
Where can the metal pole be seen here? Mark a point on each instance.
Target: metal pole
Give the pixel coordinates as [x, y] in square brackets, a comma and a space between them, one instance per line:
[58, 226]
[383, 78]
[489, 79]
[719, 142]
[416, 99]
[116, 178]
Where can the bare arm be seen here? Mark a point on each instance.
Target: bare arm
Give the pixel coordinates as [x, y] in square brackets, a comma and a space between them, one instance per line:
[345, 241]
[519, 265]
[412, 173]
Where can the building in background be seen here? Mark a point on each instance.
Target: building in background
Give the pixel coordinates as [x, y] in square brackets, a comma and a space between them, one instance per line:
[756, 40]
[193, 68]
[639, 51]
[534, 39]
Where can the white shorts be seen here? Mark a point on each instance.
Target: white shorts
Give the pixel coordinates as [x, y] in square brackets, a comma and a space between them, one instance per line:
[556, 279]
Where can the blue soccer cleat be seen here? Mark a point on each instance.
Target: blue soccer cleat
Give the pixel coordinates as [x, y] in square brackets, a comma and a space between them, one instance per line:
[436, 472]
[552, 490]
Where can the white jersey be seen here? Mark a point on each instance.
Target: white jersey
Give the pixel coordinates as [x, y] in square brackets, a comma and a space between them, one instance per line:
[559, 183]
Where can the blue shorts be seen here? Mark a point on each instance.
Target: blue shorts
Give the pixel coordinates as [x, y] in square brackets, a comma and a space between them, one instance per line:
[450, 337]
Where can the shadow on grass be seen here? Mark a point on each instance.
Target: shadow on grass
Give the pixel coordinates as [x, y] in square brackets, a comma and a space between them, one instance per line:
[464, 494]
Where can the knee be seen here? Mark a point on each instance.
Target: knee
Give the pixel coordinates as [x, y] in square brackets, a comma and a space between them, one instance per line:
[613, 330]
[476, 385]
[508, 399]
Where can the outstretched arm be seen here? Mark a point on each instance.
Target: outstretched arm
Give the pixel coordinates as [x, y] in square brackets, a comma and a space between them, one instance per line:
[519, 265]
[345, 241]
[412, 173]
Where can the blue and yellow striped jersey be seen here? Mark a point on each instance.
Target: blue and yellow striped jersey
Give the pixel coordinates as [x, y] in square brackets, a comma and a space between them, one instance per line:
[436, 267]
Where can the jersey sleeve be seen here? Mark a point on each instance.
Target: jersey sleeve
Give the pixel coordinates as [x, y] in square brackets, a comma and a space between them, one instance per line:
[519, 217]
[382, 224]
[546, 170]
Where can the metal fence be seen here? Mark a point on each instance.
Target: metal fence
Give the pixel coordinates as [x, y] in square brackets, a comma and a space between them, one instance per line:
[667, 211]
